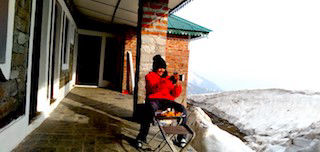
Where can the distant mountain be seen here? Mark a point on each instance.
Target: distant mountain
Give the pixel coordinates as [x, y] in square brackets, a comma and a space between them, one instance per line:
[199, 85]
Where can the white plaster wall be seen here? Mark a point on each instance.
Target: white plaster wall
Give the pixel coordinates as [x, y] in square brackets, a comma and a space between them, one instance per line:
[43, 102]
[12, 134]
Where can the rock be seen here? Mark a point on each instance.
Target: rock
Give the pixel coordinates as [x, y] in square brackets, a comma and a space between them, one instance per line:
[22, 38]
[1, 93]
[8, 106]
[14, 74]
[9, 88]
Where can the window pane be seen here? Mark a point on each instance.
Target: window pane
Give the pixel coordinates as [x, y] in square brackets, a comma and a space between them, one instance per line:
[66, 41]
[3, 28]
[58, 26]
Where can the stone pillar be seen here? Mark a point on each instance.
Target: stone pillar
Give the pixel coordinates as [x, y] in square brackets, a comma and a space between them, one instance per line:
[154, 26]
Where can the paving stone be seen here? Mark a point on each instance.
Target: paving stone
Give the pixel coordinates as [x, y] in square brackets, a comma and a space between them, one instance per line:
[75, 149]
[63, 131]
[89, 148]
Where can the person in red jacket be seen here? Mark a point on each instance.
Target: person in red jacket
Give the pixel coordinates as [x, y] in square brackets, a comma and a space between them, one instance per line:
[161, 91]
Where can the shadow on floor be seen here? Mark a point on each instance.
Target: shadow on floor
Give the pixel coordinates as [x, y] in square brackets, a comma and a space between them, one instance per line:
[112, 109]
[82, 125]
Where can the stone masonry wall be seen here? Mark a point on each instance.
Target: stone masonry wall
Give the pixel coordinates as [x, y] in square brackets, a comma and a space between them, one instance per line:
[13, 91]
[177, 57]
[66, 75]
[153, 38]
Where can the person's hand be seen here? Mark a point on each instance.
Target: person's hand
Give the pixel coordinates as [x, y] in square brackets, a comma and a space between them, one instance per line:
[176, 76]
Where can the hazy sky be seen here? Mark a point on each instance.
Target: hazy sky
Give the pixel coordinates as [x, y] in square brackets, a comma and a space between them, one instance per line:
[257, 43]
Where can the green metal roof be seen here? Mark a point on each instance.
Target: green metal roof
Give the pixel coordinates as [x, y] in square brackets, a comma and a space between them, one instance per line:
[180, 26]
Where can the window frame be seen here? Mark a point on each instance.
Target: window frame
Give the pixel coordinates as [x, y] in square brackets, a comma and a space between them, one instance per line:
[67, 40]
[5, 67]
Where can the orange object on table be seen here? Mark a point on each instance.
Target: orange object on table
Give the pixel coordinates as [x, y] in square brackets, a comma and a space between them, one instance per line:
[171, 114]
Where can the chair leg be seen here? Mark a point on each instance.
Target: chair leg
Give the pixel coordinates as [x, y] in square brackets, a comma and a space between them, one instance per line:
[193, 134]
[168, 141]
[170, 137]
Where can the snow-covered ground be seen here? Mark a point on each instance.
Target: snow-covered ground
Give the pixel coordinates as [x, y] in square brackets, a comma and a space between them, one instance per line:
[210, 138]
[274, 120]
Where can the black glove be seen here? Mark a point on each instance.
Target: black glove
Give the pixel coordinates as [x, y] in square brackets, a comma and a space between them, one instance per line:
[173, 80]
[165, 74]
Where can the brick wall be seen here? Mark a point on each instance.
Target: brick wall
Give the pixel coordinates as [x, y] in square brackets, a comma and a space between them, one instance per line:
[130, 45]
[12, 92]
[177, 57]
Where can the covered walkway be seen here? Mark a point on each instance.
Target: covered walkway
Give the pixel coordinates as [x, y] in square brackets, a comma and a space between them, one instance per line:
[87, 119]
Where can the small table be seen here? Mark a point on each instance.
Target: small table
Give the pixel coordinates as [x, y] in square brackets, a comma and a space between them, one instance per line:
[168, 131]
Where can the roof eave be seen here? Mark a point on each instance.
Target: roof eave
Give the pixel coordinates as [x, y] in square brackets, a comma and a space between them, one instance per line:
[179, 6]
[192, 34]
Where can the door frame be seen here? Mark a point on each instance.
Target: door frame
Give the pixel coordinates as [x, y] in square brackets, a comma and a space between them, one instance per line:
[103, 35]
[35, 65]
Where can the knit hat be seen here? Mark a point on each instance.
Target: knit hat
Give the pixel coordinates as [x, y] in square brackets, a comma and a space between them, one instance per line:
[158, 63]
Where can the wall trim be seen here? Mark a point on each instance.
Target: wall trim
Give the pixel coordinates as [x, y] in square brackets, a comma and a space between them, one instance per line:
[65, 8]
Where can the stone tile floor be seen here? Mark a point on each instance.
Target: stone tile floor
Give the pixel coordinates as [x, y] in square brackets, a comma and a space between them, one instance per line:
[86, 120]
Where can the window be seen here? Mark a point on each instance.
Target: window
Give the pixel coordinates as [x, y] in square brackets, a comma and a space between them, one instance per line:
[67, 40]
[7, 10]
[3, 28]
[65, 48]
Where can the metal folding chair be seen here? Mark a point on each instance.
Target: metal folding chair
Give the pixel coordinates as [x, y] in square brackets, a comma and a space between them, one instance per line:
[170, 130]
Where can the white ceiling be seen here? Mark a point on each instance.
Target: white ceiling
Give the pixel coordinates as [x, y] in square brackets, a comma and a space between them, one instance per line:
[102, 10]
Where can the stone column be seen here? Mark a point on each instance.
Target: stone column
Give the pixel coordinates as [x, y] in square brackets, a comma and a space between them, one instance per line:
[154, 26]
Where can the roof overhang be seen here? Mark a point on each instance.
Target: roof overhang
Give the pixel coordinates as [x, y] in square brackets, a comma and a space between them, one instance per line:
[181, 26]
[117, 11]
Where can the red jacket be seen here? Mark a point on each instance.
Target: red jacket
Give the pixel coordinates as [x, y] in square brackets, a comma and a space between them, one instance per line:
[161, 88]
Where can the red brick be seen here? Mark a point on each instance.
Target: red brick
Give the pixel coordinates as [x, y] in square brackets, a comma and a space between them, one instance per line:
[148, 13]
[155, 6]
[162, 27]
[147, 26]
[165, 8]
[153, 33]
[162, 14]
[147, 20]
[163, 1]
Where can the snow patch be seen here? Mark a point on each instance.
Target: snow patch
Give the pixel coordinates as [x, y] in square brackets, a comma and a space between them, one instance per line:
[274, 120]
[212, 138]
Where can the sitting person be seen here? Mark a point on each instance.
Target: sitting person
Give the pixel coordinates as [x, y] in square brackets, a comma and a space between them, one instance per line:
[161, 90]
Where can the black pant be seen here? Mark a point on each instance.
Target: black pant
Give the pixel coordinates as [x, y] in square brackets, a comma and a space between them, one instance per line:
[151, 107]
